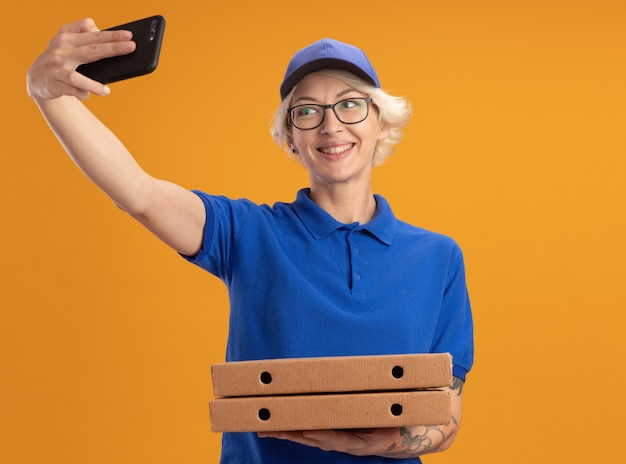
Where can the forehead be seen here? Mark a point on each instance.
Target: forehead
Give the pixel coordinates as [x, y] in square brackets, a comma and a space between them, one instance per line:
[321, 86]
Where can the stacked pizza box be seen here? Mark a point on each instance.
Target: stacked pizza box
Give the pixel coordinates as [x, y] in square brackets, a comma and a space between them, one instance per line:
[343, 392]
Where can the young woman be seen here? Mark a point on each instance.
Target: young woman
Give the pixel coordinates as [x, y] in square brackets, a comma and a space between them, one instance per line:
[346, 277]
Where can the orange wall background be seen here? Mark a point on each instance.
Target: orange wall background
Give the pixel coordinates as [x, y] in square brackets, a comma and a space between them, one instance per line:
[516, 150]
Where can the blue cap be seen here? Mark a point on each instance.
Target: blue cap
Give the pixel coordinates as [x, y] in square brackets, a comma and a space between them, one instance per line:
[325, 54]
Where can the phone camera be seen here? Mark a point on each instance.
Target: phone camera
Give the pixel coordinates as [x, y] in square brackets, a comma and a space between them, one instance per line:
[153, 29]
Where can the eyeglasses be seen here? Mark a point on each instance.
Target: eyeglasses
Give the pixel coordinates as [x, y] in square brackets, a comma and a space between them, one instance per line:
[348, 111]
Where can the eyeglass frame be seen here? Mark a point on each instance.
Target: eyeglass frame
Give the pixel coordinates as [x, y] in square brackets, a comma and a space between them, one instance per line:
[332, 106]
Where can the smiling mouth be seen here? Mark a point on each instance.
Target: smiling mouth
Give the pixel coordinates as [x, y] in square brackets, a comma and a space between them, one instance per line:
[336, 150]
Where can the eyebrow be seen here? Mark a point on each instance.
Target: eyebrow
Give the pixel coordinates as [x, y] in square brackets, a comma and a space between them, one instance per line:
[339, 95]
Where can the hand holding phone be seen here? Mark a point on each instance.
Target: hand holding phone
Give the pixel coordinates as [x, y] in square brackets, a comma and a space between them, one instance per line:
[148, 36]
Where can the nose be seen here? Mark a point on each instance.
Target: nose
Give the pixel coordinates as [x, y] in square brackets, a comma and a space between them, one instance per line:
[331, 124]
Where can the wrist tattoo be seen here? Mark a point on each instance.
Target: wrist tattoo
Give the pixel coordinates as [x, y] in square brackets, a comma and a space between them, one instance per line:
[413, 444]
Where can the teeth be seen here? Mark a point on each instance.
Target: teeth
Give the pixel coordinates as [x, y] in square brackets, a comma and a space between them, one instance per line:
[335, 150]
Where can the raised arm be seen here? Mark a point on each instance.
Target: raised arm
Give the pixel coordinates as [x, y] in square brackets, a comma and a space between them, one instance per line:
[394, 443]
[171, 212]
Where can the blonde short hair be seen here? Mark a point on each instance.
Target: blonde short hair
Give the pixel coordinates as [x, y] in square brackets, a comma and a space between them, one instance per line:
[393, 112]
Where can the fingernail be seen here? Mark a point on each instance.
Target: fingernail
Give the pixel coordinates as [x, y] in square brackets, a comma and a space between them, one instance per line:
[106, 90]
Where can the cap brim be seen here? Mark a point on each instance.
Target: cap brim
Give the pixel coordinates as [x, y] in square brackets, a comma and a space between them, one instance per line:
[317, 65]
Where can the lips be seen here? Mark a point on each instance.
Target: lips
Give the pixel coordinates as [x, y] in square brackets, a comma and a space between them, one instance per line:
[336, 150]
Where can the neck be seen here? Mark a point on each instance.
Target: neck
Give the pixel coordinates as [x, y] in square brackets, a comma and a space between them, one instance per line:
[346, 205]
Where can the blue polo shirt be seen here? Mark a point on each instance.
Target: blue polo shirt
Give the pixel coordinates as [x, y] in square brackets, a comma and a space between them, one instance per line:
[302, 284]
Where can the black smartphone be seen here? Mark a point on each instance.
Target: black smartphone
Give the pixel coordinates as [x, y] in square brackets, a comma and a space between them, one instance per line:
[148, 35]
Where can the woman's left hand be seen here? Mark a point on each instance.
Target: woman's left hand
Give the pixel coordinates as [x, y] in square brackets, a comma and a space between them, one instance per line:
[397, 443]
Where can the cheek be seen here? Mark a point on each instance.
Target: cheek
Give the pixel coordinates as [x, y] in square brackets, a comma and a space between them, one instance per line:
[303, 141]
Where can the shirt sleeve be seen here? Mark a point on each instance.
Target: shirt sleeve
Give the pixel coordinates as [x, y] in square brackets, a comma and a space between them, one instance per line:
[224, 221]
[455, 333]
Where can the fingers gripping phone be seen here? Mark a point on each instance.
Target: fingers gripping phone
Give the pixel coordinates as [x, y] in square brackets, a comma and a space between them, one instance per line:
[148, 35]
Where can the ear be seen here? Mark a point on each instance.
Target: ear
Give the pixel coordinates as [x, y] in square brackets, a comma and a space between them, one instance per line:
[292, 147]
[383, 131]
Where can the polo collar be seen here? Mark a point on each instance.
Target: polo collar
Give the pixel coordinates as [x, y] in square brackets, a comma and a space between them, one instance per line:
[320, 224]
